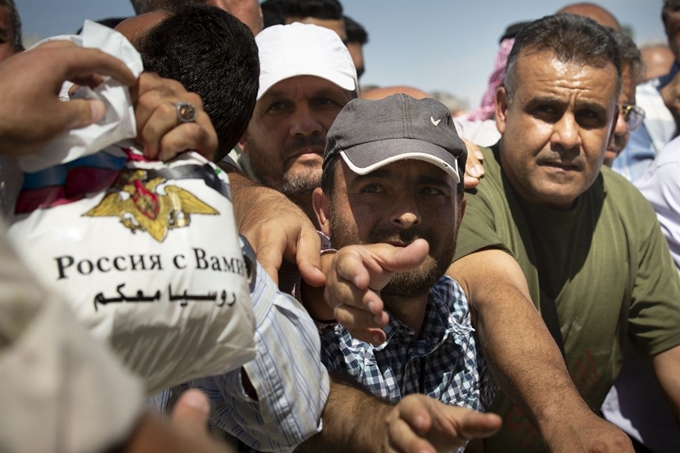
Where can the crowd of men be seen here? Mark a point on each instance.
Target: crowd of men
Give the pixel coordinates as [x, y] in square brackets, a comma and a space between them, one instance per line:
[418, 282]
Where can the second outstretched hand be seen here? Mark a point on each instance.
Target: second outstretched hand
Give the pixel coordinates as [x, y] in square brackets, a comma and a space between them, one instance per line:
[422, 424]
[356, 274]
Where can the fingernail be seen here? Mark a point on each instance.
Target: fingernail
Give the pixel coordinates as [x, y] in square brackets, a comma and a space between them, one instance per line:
[476, 171]
[479, 155]
[377, 320]
[97, 110]
[377, 339]
[370, 306]
[198, 401]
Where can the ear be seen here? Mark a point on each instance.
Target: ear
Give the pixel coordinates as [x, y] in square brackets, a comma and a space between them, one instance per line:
[243, 143]
[501, 104]
[321, 205]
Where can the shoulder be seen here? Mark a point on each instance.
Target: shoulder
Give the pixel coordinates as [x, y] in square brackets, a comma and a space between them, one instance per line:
[621, 192]
[626, 203]
[448, 292]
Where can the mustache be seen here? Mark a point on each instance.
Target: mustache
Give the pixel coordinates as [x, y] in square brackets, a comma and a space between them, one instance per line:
[403, 236]
[551, 159]
[620, 141]
[297, 143]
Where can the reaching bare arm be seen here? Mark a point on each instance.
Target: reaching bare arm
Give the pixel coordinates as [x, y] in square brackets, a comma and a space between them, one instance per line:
[529, 367]
[359, 422]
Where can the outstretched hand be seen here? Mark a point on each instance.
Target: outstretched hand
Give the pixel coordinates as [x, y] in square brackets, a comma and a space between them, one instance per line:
[420, 424]
[356, 275]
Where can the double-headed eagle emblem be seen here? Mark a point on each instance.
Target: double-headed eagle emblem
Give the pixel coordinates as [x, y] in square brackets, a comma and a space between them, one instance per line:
[141, 206]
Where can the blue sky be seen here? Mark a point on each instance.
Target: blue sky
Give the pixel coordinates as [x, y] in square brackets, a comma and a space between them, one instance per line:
[431, 44]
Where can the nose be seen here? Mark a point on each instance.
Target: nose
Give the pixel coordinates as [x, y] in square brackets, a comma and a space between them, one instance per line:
[621, 126]
[566, 133]
[304, 122]
[406, 215]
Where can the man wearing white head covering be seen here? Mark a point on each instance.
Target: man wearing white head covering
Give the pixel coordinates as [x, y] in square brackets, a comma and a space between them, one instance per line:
[306, 77]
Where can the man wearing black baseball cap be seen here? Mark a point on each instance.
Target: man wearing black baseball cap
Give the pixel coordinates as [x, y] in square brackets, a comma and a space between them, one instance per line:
[393, 179]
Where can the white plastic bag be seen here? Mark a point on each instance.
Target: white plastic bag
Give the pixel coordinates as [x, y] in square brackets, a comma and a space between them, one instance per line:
[148, 257]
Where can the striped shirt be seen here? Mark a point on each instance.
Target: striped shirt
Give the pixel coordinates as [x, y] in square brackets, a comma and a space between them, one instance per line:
[290, 381]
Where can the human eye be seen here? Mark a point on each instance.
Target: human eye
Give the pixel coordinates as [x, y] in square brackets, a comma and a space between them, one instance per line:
[372, 188]
[590, 118]
[545, 111]
[326, 102]
[276, 106]
[431, 191]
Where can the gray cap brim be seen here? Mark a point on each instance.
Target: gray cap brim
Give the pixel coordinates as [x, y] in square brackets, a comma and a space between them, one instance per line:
[367, 157]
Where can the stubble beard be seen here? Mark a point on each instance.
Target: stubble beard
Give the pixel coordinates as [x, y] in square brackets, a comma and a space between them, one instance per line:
[404, 286]
[294, 185]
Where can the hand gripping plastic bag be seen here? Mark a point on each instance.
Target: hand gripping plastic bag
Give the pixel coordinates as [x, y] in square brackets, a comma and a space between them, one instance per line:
[148, 257]
[146, 253]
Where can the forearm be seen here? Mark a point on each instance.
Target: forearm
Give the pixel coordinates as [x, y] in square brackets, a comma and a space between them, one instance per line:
[353, 420]
[529, 369]
[666, 367]
[522, 355]
[246, 193]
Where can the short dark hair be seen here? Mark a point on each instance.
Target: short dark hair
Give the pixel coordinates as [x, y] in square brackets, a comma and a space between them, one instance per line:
[143, 6]
[275, 12]
[147, 6]
[570, 38]
[355, 31]
[213, 54]
[328, 175]
[631, 57]
[16, 24]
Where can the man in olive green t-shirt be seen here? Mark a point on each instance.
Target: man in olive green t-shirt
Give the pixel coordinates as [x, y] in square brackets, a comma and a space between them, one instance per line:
[546, 227]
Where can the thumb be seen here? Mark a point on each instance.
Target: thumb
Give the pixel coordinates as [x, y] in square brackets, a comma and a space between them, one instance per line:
[406, 258]
[80, 113]
[191, 412]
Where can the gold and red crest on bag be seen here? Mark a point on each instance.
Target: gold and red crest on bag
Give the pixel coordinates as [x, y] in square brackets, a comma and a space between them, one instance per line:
[147, 205]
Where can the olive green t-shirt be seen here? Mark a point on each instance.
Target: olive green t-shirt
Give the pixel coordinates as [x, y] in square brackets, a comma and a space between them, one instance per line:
[605, 263]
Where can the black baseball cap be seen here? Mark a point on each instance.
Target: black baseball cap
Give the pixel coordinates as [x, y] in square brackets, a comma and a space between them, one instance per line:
[371, 134]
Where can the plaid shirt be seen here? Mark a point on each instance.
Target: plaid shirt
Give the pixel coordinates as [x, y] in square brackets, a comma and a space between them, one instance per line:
[443, 363]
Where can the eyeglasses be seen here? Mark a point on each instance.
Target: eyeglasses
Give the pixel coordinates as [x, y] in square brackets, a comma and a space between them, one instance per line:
[633, 115]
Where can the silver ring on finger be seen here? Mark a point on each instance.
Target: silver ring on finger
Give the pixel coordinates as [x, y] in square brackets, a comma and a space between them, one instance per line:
[186, 112]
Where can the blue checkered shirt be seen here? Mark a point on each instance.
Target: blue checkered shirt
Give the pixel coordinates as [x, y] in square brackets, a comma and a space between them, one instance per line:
[443, 363]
